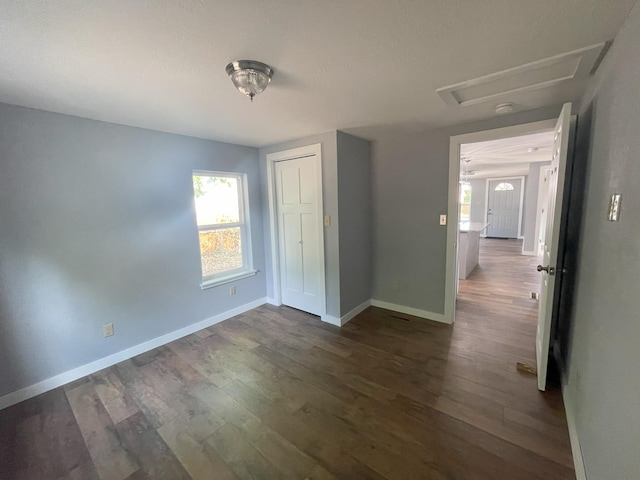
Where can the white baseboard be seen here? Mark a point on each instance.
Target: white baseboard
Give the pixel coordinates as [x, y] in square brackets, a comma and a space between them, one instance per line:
[97, 365]
[331, 319]
[339, 322]
[530, 253]
[272, 301]
[578, 461]
[436, 317]
[356, 311]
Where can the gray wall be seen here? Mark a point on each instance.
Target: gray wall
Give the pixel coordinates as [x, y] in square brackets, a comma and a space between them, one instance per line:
[329, 147]
[531, 206]
[478, 199]
[97, 225]
[410, 182]
[354, 196]
[603, 354]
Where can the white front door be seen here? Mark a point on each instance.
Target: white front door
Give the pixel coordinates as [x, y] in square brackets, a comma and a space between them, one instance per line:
[299, 234]
[550, 265]
[503, 207]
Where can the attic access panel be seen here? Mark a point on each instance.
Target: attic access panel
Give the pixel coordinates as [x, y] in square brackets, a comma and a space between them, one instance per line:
[536, 75]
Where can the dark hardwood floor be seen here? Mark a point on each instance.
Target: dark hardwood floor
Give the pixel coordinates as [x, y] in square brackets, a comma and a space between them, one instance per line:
[275, 393]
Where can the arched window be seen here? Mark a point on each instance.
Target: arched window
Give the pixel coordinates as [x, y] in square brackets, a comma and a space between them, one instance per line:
[504, 186]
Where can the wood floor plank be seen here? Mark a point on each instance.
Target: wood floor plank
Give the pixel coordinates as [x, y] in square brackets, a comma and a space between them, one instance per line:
[113, 395]
[41, 439]
[200, 462]
[292, 462]
[84, 471]
[111, 460]
[247, 462]
[156, 410]
[326, 452]
[151, 453]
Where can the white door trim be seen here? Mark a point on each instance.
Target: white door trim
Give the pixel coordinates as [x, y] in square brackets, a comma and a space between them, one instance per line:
[486, 201]
[313, 152]
[452, 204]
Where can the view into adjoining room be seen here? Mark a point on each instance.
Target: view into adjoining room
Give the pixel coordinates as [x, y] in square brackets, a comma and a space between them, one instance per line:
[503, 190]
[503, 196]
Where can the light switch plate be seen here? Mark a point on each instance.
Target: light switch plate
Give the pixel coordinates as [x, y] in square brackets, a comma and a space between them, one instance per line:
[327, 220]
[443, 219]
[614, 207]
[107, 330]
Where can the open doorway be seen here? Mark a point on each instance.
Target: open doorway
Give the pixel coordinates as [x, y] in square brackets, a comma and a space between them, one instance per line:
[490, 162]
[499, 189]
[552, 259]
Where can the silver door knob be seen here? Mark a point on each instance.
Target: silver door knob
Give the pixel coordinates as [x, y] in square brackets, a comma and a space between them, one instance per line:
[548, 269]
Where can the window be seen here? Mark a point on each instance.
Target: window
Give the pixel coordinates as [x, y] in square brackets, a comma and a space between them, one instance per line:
[222, 216]
[504, 186]
[465, 201]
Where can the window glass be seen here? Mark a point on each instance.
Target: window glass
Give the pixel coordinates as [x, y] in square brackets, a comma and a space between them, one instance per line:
[222, 227]
[504, 186]
[217, 199]
[465, 202]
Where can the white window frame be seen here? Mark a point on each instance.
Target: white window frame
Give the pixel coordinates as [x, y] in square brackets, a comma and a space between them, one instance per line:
[246, 270]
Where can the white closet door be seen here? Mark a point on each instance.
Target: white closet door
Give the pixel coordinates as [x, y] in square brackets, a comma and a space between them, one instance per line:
[299, 232]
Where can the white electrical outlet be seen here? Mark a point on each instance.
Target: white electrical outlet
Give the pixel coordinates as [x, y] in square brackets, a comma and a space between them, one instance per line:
[394, 285]
[232, 290]
[107, 329]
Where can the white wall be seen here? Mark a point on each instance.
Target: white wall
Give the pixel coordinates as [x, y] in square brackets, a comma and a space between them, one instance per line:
[96, 226]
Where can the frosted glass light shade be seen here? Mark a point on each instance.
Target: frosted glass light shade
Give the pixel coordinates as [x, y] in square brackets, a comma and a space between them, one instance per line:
[249, 76]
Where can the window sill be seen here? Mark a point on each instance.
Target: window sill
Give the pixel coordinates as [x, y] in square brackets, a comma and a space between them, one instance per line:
[214, 282]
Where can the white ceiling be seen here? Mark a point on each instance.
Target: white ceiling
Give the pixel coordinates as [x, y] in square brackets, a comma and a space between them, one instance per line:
[369, 67]
[508, 156]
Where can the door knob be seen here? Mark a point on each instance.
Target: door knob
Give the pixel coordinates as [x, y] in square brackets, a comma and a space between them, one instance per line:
[548, 269]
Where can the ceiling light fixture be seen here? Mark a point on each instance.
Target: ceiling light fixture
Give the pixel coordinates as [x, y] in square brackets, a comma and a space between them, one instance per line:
[465, 170]
[249, 76]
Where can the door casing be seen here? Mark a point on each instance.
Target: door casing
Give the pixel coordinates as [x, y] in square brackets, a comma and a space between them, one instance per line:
[452, 204]
[313, 153]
